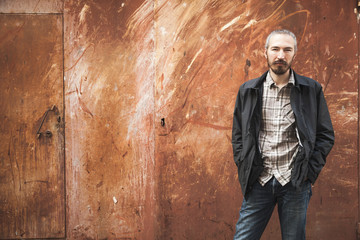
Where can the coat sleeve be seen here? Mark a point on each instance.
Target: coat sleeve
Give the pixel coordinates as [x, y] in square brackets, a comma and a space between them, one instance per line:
[237, 141]
[325, 138]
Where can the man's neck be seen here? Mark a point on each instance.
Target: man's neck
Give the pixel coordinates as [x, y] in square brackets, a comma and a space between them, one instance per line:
[280, 80]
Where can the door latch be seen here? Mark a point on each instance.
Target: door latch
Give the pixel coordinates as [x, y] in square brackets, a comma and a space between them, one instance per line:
[48, 133]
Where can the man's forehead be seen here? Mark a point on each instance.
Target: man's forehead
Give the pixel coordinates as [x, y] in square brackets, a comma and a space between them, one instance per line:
[281, 39]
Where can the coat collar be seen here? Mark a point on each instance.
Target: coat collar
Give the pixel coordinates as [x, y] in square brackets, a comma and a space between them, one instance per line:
[257, 83]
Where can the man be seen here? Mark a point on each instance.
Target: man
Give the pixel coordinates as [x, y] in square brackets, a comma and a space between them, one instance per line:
[281, 136]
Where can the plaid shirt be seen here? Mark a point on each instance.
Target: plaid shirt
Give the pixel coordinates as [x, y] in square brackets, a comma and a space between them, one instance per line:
[278, 138]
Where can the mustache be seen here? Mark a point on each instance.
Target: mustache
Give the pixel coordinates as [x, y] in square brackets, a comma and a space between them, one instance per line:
[280, 62]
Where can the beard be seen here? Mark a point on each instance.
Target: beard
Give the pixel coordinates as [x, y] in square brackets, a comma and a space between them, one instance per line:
[279, 67]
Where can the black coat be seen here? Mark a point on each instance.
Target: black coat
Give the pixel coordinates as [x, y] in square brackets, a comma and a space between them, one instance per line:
[312, 121]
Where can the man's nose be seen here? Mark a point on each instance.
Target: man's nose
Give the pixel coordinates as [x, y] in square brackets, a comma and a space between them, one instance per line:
[281, 54]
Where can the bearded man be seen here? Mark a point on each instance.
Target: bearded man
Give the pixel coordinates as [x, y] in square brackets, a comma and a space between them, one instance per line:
[281, 136]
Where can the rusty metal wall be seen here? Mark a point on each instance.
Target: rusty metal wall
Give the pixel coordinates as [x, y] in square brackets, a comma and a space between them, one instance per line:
[149, 93]
[206, 49]
[110, 125]
[331, 57]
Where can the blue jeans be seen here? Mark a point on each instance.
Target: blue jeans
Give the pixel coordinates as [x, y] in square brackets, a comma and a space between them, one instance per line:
[256, 210]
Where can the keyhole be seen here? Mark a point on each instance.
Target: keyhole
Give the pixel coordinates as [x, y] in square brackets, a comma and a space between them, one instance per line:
[48, 133]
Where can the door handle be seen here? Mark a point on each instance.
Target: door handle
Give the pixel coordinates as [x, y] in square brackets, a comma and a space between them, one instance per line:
[48, 133]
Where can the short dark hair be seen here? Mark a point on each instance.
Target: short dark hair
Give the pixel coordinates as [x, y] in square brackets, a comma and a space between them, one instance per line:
[281, 31]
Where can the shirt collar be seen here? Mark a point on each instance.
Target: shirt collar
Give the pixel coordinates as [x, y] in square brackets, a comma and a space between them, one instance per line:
[269, 82]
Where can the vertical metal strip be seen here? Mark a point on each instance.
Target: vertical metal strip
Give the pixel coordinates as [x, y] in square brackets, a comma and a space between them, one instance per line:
[63, 115]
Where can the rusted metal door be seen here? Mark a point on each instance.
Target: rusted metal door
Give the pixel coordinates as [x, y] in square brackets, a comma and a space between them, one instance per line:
[32, 194]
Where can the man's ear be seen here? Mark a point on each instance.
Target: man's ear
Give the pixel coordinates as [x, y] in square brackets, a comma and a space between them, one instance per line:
[265, 53]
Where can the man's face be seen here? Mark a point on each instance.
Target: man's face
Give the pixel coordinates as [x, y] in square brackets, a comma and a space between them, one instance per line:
[280, 53]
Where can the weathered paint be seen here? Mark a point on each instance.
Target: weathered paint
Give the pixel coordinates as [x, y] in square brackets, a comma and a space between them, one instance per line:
[205, 51]
[31, 6]
[32, 197]
[331, 57]
[149, 93]
[109, 133]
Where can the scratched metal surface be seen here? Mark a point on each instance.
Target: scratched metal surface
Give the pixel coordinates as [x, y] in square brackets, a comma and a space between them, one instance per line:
[32, 198]
[205, 50]
[31, 6]
[331, 56]
[149, 93]
[109, 133]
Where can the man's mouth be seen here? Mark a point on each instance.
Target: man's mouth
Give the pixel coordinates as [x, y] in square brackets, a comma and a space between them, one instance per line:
[280, 62]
